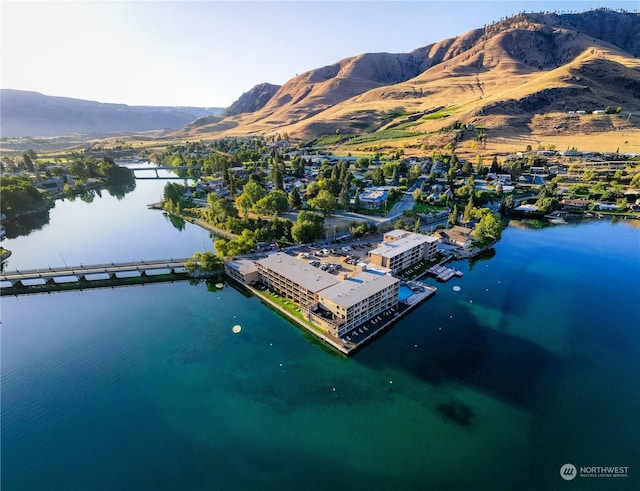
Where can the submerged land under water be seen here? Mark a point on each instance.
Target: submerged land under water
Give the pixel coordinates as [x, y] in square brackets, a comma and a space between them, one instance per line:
[532, 364]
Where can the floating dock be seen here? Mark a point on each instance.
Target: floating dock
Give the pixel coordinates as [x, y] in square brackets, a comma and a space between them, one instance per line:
[442, 273]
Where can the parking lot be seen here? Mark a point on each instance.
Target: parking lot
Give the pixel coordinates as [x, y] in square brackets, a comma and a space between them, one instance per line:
[334, 258]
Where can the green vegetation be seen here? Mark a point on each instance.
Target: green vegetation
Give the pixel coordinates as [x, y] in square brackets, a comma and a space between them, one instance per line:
[18, 195]
[443, 113]
[308, 227]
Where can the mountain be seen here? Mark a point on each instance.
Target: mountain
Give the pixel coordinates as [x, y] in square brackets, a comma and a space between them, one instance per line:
[252, 100]
[507, 77]
[24, 113]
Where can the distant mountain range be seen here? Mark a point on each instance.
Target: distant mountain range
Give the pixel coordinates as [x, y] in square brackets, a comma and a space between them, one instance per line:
[521, 75]
[24, 113]
[504, 75]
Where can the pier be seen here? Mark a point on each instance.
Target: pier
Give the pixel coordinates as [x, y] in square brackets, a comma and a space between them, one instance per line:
[442, 273]
[94, 275]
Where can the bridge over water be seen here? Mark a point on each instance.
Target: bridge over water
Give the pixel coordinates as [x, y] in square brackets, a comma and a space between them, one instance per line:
[162, 167]
[82, 276]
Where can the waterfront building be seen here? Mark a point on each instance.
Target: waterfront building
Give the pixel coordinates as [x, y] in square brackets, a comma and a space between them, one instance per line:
[457, 235]
[244, 271]
[293, 278]
[337, 304]
[401, 250]
[353, 301]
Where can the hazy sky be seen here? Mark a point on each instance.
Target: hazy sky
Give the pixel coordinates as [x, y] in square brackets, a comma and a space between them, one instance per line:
[207, 53]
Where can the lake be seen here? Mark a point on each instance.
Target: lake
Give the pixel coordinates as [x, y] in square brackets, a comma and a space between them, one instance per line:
[532, 364]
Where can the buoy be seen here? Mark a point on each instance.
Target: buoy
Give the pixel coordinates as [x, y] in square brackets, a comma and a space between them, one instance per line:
[236, 329]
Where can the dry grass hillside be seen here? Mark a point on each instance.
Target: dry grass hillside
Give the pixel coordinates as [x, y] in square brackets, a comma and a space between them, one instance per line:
[516, 80]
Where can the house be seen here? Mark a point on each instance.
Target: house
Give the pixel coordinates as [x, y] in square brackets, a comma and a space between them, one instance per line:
[374, 198]
[606, 206]
[527, 208]
[457, 235]
[575, 204]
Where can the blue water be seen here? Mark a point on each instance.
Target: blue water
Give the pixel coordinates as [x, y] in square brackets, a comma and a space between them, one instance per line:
[404, 293]
[149, 388]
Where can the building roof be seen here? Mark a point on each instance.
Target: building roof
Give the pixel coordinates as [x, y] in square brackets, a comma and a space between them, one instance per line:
[374, 194]
[242, 266]
[397, 233]
[401, 245]
[454, 236]
[358, 287]
[298, 271]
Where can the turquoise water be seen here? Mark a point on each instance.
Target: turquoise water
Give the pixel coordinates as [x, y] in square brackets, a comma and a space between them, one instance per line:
[534, 363]
[404, 293]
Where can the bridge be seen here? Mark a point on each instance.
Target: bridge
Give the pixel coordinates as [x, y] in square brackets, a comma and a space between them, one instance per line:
[163, 167]
[84, 276]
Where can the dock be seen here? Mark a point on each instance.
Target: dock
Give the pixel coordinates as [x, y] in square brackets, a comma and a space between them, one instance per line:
[442, 273]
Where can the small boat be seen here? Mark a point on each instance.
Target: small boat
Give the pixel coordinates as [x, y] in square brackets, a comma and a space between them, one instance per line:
[557, 220]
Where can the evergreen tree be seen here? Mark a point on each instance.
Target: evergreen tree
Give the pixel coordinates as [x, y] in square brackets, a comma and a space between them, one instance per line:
[295, 203]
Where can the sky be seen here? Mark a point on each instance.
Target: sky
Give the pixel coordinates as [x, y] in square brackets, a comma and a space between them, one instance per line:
[207, 53]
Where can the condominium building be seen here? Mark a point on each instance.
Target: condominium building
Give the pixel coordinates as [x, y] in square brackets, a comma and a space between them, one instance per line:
[243, 271]
[353, 301]
[401, 250]
[335, 303]
[293, 278]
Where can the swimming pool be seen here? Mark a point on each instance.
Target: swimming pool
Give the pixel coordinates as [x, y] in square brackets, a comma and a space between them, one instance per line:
[405, 292]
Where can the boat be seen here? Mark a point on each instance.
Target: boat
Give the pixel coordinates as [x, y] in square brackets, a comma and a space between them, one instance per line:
[557, 220]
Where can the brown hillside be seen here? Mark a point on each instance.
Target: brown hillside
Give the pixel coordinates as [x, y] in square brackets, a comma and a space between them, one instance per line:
[501, 77]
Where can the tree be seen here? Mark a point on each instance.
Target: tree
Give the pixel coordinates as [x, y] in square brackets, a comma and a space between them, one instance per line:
[253, 192]
[414, 173]
[308, 227]
[312, 190]
[489, 227]
[508, 204]
[324, 202]
[468, 210]
[243, 204]
[377, 177]
[28, 163]
[295, 202]
[479, 164]
[495, 168]
[208, 261]
[453, 216]
[303, 232]
[274, 202]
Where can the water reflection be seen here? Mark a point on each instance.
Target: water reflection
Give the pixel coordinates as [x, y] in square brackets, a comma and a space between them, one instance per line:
[26, 224]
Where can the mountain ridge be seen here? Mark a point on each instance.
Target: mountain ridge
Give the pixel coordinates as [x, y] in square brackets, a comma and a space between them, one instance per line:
[541, 58]
[29, 113]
